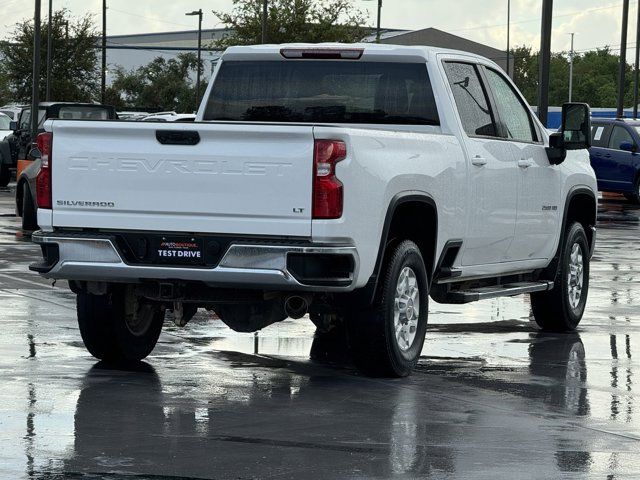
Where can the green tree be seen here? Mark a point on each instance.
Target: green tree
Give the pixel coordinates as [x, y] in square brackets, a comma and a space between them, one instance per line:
[5, 95]
[292, 21]
[595, 77]
[162, 84]
[75, 74]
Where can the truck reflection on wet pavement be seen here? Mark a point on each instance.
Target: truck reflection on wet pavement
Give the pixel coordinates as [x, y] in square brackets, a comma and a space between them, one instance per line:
[492, 397]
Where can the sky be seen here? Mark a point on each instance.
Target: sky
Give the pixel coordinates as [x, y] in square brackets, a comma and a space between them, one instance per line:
[596, 23]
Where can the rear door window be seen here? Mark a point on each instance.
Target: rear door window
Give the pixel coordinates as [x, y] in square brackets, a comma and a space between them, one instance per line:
[619, 135]
[471, 99]
[324, 92]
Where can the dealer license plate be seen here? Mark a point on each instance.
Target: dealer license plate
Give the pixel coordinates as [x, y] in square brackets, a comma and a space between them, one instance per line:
[179, 250]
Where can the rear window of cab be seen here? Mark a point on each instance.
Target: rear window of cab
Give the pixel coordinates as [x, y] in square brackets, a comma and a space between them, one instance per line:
[310, 91]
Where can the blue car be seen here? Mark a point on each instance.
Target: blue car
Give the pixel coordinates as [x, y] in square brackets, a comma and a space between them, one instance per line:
[615, 156]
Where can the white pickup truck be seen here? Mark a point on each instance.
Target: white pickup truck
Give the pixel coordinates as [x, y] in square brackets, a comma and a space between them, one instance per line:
[349, 182]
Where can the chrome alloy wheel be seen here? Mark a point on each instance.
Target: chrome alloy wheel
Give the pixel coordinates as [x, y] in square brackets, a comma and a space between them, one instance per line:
[576, 276]
[406, 309]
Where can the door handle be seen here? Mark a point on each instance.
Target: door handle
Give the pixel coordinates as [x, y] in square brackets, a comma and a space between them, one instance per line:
[479, 161]
[523, 163]
[177, 137]
[608, 155]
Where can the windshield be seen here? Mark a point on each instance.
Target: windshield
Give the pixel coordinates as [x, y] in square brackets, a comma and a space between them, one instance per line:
[324, 92]
[4, 122]
[8, 113]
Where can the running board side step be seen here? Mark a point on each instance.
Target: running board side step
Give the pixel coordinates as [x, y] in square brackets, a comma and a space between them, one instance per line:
[507, 290]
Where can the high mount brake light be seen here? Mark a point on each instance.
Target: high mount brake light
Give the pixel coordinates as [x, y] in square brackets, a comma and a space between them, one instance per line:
[327, 189]
[44, 141]
[323, 53]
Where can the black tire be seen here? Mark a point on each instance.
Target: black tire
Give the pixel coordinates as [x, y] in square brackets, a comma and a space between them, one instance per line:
[29, 216]
[106, 332]
[371, 330]
[330, 346]
[553, 310]
[635, 196]
[5, 175]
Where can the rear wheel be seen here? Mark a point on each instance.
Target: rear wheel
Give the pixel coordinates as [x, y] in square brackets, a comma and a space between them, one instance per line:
[561, 309]
[117, 326]
[29, 216]
[5, 175]
[386, 339]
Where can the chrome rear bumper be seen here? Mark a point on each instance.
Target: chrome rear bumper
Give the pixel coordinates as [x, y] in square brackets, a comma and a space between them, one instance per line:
[97, 259]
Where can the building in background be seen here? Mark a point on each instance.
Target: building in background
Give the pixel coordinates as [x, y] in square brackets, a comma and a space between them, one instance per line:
[432, 37]
[133, 51]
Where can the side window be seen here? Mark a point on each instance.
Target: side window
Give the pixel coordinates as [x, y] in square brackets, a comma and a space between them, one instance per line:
[619, 135]
[471, 99]
[600, 135]
[513, 114]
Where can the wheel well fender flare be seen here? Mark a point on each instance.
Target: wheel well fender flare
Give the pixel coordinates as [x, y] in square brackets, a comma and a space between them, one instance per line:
[573, 193]
[398, 200]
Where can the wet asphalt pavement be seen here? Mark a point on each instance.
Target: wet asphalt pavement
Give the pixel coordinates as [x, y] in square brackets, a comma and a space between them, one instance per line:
[492, 397]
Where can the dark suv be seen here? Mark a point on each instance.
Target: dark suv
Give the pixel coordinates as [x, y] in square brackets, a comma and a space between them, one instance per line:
[615, 155]
[22, 145]
[19, 144]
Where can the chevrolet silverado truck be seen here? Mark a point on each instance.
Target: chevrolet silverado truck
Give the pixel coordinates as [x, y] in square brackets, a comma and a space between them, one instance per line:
[347, 182]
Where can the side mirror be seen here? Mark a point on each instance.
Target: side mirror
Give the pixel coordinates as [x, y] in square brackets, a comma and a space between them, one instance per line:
[629, 147]
[13, 125]
[576, 126]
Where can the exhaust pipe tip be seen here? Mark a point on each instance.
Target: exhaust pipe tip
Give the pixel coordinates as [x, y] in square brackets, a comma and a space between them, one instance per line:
[296, 306]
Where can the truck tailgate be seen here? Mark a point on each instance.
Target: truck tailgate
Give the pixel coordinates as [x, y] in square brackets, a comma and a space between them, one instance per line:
[248, 179]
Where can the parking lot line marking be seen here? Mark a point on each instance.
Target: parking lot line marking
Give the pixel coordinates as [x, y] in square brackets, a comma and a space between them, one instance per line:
[20, 294]
[31, 282]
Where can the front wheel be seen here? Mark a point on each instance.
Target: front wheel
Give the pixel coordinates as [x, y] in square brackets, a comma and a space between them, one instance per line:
[561, 309]
[5, 174]
[386, 339]
[117, 326]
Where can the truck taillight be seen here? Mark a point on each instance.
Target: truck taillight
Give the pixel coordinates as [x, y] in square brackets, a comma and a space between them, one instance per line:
[44, 142]
[327, 189]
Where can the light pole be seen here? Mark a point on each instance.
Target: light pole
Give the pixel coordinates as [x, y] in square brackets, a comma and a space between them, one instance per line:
[379, 20]
[49, 52]
[545, 60]
[378, 28]
[636, 73]
[571, 68]
[103, 83]
[623, 59]
[265, 14]
[199, 14]
[35, 100]
[508, 33]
